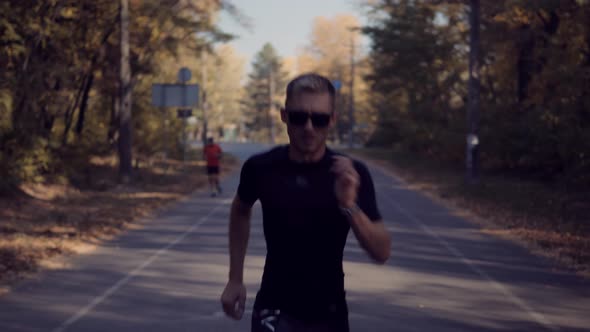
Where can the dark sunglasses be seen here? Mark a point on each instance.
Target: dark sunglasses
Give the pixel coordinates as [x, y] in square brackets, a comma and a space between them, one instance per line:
[299, 118]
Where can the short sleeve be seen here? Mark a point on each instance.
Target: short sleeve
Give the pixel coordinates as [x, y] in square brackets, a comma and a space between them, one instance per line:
[247, 189]
[366, 197]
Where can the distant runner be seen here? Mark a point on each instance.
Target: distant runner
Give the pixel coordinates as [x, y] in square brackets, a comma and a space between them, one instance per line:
[212, 153]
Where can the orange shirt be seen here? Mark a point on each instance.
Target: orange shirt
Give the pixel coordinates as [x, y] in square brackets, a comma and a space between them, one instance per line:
[212, 153]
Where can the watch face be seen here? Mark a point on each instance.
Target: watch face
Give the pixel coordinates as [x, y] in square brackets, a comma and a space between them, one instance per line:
[346, 212]
[350, 211]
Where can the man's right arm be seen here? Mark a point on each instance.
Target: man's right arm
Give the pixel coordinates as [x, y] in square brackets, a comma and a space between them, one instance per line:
[233, 298]
[239, 233]
[234, 295]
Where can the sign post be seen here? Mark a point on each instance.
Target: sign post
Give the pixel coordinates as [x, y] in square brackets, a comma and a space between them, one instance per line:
[184, 114]
[184, 75]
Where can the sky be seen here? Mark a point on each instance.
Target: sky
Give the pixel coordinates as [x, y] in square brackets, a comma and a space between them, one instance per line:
[286, 24]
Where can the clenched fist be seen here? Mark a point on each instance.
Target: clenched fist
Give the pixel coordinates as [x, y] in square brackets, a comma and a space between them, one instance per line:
[347, 181]
[233, 299]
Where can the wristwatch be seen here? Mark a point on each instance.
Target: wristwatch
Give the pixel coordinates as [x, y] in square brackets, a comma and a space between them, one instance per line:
[348, 212]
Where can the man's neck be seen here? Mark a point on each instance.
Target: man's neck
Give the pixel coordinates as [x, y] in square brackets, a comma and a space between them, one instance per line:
[301, 157]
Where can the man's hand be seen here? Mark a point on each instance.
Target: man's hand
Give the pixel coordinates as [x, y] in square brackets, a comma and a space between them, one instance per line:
[233, 299]
[347, 181]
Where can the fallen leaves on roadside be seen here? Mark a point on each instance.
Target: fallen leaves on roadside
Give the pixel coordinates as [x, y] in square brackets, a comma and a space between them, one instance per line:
[527, 213]
[47, 221]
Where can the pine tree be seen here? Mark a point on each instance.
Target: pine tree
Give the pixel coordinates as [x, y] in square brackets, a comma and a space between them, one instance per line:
[266, 84]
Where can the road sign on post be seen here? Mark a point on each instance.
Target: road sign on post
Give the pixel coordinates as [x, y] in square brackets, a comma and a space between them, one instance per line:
[175, 95]
[184, 75]
[337, 84]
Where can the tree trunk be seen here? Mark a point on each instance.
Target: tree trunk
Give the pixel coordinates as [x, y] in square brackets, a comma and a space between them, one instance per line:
[21, 114]
[47, 121]
[527, 65]
[90, 79]
[125, 157]
[114, 121]
[84, 105]
[69, 115]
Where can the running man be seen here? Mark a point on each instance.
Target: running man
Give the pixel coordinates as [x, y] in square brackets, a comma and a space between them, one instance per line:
[311, 197]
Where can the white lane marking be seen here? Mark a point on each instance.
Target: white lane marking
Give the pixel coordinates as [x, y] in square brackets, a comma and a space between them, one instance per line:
[96, 301]
[537, 317]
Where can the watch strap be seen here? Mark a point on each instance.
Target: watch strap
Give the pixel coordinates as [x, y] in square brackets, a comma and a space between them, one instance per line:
[350, 211]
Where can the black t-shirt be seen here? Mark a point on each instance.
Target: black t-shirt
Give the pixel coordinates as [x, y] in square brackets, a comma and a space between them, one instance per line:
[305, 230]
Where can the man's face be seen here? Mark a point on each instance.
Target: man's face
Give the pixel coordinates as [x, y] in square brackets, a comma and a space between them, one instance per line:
[309, 117]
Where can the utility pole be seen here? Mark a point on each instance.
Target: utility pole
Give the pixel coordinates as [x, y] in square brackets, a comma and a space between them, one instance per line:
[125, 157]
[271, 92]
[351, 106]
[204, 93]
[472, 146]
[183, 78]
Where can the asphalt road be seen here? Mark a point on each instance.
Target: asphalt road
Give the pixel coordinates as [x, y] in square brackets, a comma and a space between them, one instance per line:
[444, 275]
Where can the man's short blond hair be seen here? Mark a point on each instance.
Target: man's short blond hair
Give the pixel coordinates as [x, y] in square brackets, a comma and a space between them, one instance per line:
[310, 83]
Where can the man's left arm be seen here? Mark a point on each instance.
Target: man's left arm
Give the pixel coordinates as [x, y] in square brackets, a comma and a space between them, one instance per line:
[354, 186]
[373, 236]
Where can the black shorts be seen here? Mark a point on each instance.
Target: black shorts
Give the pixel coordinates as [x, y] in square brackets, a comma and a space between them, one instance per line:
[212, 170]
[273, 320]
[276, 321]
